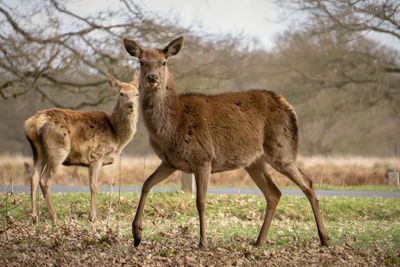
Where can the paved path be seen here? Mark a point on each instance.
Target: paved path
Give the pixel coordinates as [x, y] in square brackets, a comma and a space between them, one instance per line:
[226, 191]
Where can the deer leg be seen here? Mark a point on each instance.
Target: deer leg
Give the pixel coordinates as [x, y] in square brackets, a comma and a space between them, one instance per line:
[53, 161]
[161, 173]
[45, 187]
[94, 170]
[53, 151]
[291, 170]
[202, 176]
[259, 174]
[34, 186]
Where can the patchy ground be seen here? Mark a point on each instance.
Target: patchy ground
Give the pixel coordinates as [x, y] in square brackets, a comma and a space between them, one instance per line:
[364, 232]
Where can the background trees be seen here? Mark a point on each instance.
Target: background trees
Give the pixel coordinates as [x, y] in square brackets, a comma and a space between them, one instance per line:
[340, 58]
[63, 56]
[344, 85]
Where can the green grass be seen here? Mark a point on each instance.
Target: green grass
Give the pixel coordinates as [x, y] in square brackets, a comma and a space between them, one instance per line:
[177, 207]
[360, 223]
[383, 188]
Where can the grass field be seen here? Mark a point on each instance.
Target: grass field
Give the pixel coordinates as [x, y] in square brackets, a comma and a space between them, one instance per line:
[364, 232]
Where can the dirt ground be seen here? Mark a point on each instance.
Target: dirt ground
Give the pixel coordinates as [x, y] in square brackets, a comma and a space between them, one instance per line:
[364, 232]
[67, 246]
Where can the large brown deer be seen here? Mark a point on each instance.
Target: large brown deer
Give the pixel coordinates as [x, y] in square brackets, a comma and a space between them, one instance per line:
[204, 134]
[90, 139]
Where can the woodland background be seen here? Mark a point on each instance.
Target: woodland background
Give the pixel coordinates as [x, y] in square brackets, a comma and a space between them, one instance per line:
[344, 84]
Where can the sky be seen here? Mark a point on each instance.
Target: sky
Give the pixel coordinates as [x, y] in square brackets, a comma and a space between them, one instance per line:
[255, 20]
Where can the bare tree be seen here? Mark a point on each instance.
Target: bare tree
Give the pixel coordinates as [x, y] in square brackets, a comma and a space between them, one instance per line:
[330, 61]
[332, 79]
[63, 55]
[357, 17]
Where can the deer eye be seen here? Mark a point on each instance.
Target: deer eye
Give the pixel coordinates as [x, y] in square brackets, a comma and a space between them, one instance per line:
[164, 63]
[121, 94]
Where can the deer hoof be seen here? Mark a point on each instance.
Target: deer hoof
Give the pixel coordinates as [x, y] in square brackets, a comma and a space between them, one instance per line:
[137, 236]
[324, 242]
[256, 244]
[324, 238]
[34, 218]
[203, 244]
[92, 218]
[259, 243]
[136, 241]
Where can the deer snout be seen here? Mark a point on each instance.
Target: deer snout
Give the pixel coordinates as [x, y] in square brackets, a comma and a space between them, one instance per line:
[130, 104]
[152, 78]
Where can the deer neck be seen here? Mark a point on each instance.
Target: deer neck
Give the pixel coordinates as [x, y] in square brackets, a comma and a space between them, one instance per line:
[161, 111]
[124, 124]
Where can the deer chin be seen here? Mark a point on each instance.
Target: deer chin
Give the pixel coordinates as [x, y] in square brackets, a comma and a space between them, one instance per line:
[152, 86]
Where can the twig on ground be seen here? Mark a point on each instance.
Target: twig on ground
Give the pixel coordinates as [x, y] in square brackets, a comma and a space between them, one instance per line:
[10, 209]
[119, 193]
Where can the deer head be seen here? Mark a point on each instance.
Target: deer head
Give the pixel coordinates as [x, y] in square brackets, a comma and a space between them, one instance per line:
[153, 63]
[128, 92]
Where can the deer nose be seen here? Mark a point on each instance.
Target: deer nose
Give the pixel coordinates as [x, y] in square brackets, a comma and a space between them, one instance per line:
[130, 104]
[151, 77]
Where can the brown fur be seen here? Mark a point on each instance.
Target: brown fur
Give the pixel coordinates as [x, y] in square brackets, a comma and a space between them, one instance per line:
[202, 134]
[91, 139]
[212, 126]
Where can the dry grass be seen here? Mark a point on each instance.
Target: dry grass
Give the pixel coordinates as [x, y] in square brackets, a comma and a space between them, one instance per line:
[363, 231]
[339, 171]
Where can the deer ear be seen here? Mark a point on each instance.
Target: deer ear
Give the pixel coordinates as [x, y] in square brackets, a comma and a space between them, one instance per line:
[173, 47]
[113, 81]
[133, 48]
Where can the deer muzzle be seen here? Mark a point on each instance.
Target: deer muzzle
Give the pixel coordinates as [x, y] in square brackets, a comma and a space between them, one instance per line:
[152, 80]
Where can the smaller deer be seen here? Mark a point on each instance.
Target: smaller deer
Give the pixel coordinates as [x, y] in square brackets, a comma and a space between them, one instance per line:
[91, 139]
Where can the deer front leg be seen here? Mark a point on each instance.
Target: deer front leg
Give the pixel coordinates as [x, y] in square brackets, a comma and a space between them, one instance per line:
[94, 170]
[202, 175]
[161, 173]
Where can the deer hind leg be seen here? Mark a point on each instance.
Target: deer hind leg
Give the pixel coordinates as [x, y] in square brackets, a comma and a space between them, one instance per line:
[259, 173]
[39, 167]
[45, 183]
[55, 149]
[33, 175]
[43, 172]
[34, 186]
[54, 158]
[290, 169]
[160, 174]
[94, 170]
[202, 176]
